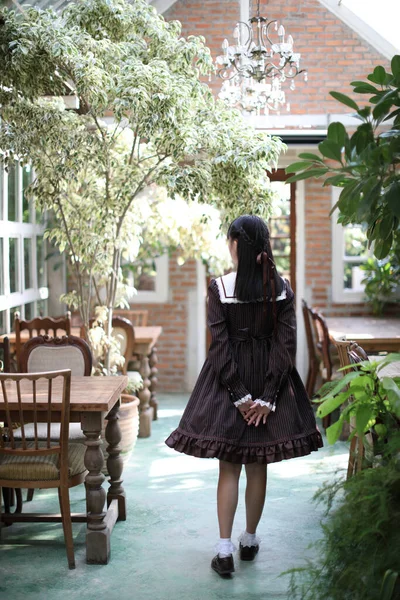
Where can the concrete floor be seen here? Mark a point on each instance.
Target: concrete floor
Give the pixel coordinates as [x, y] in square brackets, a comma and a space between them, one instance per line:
[163, 550]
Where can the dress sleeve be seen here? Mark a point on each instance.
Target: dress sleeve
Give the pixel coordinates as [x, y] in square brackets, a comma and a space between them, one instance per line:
[220, 353]
[283, 349]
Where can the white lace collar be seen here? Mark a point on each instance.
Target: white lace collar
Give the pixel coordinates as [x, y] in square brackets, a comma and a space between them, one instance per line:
[226, 289]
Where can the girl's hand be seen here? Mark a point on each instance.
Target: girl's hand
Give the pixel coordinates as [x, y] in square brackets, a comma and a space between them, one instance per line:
[244, 408]
[257, 413]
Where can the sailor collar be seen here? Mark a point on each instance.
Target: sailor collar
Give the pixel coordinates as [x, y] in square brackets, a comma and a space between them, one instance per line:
[226, 290]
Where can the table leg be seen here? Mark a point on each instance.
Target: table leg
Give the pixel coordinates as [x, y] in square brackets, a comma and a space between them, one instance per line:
[153, 360]
[115, 463]
[97, 533]
[146, 411]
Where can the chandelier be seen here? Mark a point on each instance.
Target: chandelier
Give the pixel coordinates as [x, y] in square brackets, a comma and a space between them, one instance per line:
[254, 69]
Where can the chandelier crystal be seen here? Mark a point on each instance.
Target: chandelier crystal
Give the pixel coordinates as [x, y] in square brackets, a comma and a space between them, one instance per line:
[256, 66]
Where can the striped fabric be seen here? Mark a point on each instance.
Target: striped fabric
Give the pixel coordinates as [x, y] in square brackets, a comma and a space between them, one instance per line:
[36, 468]
[246, 358]
[75, 433]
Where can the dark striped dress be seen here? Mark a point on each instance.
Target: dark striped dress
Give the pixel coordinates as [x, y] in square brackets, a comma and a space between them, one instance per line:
[246, 357]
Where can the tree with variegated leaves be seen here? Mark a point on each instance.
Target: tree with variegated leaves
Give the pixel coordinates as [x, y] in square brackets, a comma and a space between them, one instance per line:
[143, 118]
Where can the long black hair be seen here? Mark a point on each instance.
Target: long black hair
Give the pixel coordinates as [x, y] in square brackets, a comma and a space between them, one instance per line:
[257, 276]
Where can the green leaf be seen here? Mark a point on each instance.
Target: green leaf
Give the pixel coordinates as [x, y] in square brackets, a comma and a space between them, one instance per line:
[385, 226]
[331, 404]
[392, 197]
[310, 156]
[333, 431]
[334, 180]
[331, 149]
[371, 89]
[378, 76]
[363, 416]
[307, 174]
[395, 65]
[337, 133]
[389, 582]
[344, 99]
[382, 247]
[298, 166]
[340, 384]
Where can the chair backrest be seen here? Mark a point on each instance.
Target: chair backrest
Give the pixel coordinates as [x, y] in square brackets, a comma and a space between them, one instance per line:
[321, 333]
[350, 353]
[123, 331]
[312, 355]
[43, 353]
[138, 318]
[23, 395]
[5, 355]
[40, 326]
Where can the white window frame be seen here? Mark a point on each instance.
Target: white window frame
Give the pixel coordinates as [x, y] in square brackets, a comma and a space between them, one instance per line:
[340, 294]
[19, 230]
[161, 292]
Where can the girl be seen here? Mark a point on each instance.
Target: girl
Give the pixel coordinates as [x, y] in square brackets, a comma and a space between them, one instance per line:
[249, 405]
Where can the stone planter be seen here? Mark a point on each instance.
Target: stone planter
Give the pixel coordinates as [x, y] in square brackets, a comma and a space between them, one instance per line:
[129, 425]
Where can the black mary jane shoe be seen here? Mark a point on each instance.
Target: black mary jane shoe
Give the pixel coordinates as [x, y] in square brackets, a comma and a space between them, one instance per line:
[248, 552]
[223, 566]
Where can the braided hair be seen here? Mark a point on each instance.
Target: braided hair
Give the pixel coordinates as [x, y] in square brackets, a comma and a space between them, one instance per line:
[257, 276]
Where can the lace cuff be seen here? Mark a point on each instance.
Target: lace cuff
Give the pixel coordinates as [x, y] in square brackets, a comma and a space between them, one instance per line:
[272, 407]
[242, 400]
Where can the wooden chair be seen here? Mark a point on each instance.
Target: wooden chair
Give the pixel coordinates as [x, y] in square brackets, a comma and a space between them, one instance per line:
[313, 361]
[43, 353]
[123, 331]
[138, 318]
[39, 464]
[37, 326]
[5, 355]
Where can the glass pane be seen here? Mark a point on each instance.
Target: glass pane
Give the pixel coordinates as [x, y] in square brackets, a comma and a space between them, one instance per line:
[353, 276]
[281, 246]
[41, 308]
[29, 311]
[13, 265]
[13, 191]
[1, 267]
[355, 242]
[2, 321]
[40, 262]
[28, 263]
[26, 207]
[283, 265]
[280, 226]
[142, 276]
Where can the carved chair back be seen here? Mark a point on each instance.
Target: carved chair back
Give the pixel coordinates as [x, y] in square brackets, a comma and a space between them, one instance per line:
[39, 326]
[23, 396]
[123, 331]
[138, 318]
[44, 353]
[322, 346]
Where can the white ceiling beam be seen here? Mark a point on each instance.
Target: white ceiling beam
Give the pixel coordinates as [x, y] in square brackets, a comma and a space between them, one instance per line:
[353, 21]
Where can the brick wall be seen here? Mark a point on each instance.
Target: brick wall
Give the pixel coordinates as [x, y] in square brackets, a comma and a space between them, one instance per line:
[331, 51]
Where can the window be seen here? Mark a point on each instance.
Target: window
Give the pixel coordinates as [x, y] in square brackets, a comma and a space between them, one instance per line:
[150, 281]
[23, 280]
[282, 225]
[349, 252]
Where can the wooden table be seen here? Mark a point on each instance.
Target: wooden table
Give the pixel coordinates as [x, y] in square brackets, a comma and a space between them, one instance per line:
[146, 363]
[92, 400]
[371, 333]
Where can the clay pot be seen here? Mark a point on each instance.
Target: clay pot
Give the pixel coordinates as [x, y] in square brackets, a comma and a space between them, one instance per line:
[129, 425]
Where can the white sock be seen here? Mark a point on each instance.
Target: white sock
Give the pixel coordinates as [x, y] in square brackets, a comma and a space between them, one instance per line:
[225, 547]
[249, 539]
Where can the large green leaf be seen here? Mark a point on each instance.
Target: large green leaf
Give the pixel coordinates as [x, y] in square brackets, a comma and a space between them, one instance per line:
[331, 149]
[363, 416]
[333, 431]
[298, 166]
[310, 156]
[382, 247]
[378, 76]
[337, 133]
[344, 99]
[331, 404]
[370, 89]
[307, 174]
[395, 64]
[392, 197]
[388, 585]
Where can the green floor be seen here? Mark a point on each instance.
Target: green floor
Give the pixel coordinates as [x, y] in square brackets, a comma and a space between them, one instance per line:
[163, 550]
